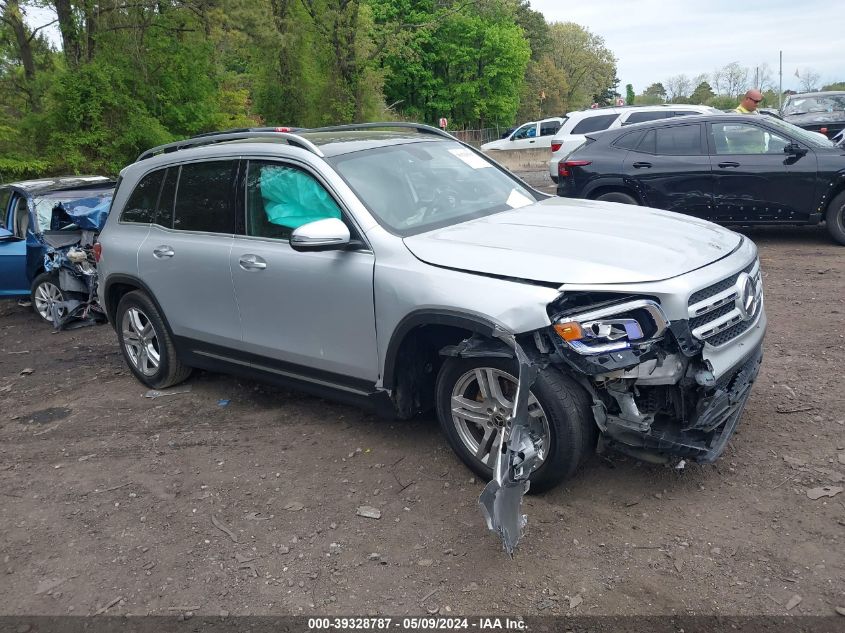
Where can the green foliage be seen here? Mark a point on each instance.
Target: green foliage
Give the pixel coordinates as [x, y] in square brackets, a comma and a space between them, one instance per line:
[144, 73]
[587, 64]
[702, 94]
[838, 85]
[723, 102]
[630, 97]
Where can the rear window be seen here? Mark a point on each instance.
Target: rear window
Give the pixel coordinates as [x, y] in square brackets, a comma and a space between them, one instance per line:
[205, 197]
[594, 123]
[629, 141]
[642, 117]
[679, 140]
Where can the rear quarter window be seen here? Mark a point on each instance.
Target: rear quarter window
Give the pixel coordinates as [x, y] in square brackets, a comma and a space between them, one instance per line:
[141, 206]
[629, 141]
[594, 123]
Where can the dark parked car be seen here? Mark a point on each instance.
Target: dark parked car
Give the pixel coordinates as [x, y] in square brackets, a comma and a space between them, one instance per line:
[730, 169]
[42, 222]
[816, 111]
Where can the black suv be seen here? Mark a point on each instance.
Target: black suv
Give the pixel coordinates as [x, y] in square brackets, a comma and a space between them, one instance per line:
[730, 169]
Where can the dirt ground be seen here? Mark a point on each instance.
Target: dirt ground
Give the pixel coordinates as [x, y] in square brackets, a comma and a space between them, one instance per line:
[188, 503]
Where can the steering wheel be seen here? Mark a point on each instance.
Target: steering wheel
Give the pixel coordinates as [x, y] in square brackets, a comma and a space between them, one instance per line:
[445, 198]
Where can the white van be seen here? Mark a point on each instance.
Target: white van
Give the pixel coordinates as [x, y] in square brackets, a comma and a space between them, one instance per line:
[530, 135]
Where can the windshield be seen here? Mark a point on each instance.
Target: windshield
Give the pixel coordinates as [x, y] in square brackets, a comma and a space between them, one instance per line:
[421, 186]
[69, 200]
[803, 105]
[813, 139]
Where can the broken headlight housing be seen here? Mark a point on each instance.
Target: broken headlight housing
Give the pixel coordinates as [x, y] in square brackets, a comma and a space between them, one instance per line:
[613, 327]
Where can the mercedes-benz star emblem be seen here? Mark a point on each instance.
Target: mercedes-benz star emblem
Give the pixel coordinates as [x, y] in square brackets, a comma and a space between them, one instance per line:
[746, 300]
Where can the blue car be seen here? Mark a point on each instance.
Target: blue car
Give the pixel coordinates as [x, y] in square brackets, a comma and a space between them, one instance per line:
[40, 220]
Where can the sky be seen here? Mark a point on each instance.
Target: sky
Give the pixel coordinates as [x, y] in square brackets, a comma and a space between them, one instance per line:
[656, 39]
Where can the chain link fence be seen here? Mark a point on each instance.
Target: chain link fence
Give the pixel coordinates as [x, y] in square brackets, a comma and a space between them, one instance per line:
[479, 137]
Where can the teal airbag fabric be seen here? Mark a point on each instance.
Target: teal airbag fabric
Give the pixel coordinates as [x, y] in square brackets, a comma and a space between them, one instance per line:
[293, 198]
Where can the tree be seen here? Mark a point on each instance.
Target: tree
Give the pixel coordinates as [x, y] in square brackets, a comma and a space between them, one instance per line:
[655, 93]
[589, 66]
[702, 94]
[677, 88]
[809, 80]
[630, 97]
[730, 80]
[837, 85]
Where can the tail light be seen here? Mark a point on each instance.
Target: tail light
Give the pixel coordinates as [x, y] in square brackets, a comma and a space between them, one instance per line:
[98, 251]
[556, 147]
[282, 129]
[564, 165]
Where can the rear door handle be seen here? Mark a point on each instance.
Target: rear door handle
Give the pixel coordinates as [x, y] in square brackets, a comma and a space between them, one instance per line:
[164, 251]
[252, 262]
[728, 164]
[641, 165]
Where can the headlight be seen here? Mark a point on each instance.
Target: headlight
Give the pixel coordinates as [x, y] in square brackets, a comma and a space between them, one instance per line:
[612, 328]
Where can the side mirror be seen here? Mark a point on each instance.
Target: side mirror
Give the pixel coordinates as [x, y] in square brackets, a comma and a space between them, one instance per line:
[794, 149]
[6, 235]
[323, 235]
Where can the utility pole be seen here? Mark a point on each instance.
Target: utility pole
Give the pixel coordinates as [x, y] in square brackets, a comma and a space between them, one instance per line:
[780, 83]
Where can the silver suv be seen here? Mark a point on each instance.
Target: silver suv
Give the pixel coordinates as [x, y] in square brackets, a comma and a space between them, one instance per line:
[390, 264]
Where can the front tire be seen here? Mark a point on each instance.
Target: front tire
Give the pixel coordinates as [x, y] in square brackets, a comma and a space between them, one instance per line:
[835, 219]
[146, 343]
[474, 395]
[618, 196]
[45, 292]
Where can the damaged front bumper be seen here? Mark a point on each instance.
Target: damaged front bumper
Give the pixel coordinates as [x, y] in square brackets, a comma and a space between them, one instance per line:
[673, 397]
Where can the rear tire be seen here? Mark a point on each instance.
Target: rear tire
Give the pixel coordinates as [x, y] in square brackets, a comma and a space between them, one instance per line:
[146, 344]
[566, 417]
[46, 290]
[618, 196]
[835, 218]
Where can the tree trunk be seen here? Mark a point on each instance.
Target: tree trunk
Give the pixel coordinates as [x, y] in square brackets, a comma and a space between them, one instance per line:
[13, 17]
[70, 32]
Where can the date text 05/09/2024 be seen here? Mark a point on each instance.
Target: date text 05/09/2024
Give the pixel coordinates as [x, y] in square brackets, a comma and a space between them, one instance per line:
[417, 624]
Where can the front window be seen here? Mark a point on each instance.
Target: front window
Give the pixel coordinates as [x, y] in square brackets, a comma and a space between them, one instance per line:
[743, 138]
[806, 105]
[813, 139]
[91, 198]
[421, 186]
[526, 131]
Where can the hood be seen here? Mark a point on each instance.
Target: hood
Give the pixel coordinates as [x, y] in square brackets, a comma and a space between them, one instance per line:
[560, 240]
[814, 118]
[502, 143]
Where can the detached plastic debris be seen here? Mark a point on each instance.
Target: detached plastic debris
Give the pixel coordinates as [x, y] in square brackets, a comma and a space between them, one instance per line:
[501, 500]
[223, 403]
[173, 391]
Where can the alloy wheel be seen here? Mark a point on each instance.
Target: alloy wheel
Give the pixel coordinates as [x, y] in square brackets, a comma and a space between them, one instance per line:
[140, 341]
[46, 294]
[482, 399]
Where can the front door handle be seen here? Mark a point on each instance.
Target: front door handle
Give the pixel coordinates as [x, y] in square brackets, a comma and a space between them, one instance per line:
[164, 251]
[642, 165]
[728, 164]
[252, 262]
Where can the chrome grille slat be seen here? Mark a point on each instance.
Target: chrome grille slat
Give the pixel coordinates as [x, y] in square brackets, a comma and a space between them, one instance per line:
[713, 314]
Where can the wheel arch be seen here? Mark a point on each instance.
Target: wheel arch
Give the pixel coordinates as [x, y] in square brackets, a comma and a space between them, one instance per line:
[413, 354]
[604, 186]
[117, 286]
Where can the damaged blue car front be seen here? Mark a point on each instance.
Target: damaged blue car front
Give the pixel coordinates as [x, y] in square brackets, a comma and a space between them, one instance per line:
[47, 231]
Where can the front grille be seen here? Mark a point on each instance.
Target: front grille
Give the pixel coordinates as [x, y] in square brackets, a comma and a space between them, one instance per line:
[716, 288]
[714, 315]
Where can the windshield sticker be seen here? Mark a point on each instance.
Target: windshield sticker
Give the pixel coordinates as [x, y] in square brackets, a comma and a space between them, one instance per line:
[517, 200]
[470, 158]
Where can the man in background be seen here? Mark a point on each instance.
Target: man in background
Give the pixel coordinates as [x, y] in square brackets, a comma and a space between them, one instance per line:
[749, 103]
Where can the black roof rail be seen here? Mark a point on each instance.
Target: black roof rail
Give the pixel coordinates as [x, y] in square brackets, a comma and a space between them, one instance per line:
[211, 139]
[419, 127]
